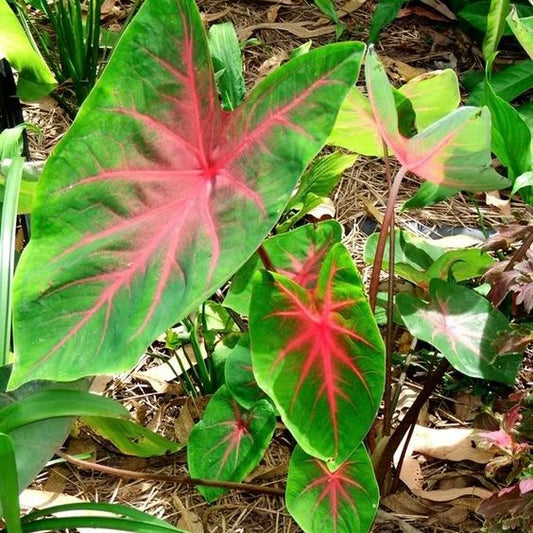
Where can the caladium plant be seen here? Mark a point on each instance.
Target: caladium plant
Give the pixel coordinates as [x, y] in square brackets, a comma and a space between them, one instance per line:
[156, 195]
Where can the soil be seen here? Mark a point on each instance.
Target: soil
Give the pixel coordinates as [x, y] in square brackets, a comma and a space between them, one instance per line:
[414, 43]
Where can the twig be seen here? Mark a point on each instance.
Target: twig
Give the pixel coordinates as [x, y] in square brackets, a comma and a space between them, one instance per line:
[183, 480]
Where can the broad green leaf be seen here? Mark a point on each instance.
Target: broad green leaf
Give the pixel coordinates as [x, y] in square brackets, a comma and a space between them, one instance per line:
[507, 83]
[511, 138]
[323, 367]
[463, 326]
[239, 375]
[385, 12]
[9, 499]
[227, 60]
[35, 443]
[499, 9]
[429, 194]
[131, 438]
[228, 443]
[26, 195]
[297, 254]
[432, 95]
[453, 152]
[56, 403]
[461, 265]
[341, 501]
[355, 128]
[35, 79]
[156, 196]
[522, 29]
[476, 14]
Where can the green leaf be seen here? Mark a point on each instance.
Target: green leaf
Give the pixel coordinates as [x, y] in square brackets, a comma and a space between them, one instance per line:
[156, 196]
[131, 438]
[522, 181]
[511, 138]
[324, 367]
[35, 79]
[453, 152]
[328, 8]
[56, 403]
[227, 60]
[462, 265]
[429, 194]
[355, 128]
[508, 83]
[498, 12]
[228, 443]
[296, 254]
[344, 500]
[384, 13]
[522, 29]
[433, 96]
[9, 500]
[239, 375]
[463, 326]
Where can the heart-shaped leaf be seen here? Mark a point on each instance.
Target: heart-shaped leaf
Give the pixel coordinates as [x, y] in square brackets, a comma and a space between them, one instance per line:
[464, 327]
[296, 254]
[156, 195]
[324, 365]
[228, 443]
[341, 501]
[453, 152]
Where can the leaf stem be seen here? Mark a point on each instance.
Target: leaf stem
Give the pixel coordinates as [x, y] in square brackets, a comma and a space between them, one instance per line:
[184, 480]
[380, 250]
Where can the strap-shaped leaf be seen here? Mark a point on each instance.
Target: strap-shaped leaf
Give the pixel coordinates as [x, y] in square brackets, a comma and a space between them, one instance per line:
[156, 196]
[228, 443]
[463, 326]
[319, 355]
[453, 152]
[341, 501]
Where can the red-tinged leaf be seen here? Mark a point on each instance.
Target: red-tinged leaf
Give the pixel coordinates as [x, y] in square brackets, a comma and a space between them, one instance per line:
[239, 375]
[341, 501]
[156, 196]
[319, 355]
[464, 327]
[453, 152]
[297, 254]
[228, 443]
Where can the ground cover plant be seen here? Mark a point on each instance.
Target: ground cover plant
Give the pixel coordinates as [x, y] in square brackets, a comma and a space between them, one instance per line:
[148, 223]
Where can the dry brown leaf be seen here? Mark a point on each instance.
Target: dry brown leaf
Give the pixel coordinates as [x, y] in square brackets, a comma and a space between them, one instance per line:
[211, 17]
[300, 29]
[108, 6]
[272, 13]
[272, 64]
[40, 499]
[441, 7]
[411, 475]
[56, 480]
[188, 521]
[183, 424]
[450, 444]
[404, 503]
[466, 406]
[349, 7]
[324, 211]
[268, 472]
[405, 71]
[494, 199]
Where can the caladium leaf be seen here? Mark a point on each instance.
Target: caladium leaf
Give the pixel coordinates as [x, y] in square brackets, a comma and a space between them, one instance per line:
[297, 254]
[319, 355]
[341, 501]
[464, 327]
[453, 152]
[239, 375]
[228, 443]
[156, 195]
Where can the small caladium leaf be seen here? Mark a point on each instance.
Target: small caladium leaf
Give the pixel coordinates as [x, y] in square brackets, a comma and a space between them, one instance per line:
[453, 152]
[239, 375]
[319, 355]
[297, 254]
[228, 443]
[341, 501]
[464, 327]
[156, 196]
[429, 194]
